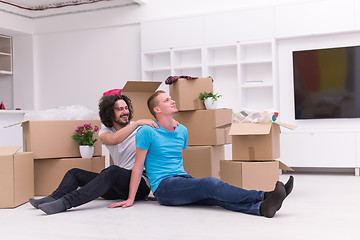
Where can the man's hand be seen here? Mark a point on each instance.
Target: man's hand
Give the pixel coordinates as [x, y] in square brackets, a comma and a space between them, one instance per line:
[149, 122]
[123, 204]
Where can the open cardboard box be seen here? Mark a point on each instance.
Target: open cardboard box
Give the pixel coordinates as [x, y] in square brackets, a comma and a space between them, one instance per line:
[52, 138]
[139, 92]
[249, 175]
[186, 92]
[206, 127]
[256, 141]
[16, 177]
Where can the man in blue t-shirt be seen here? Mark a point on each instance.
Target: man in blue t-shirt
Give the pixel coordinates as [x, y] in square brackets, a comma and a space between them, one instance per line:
[160, 151]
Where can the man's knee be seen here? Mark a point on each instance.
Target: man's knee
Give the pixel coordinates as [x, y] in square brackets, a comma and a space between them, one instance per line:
[211, 181]
[111, 169]
[73, 171]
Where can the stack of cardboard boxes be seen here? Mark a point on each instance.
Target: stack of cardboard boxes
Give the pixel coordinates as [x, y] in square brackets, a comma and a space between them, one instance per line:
[16, 177]
[255, 148]
[55, 152]
[207, 133]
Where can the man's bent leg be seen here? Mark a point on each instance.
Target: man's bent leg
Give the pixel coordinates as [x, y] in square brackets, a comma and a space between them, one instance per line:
[73, 179]
[111, 176]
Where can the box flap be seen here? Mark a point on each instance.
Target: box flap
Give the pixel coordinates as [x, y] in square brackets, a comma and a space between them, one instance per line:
[250, 128]
[9, 150]
[286, 125]
[141, 86]
[283, 166]
[14, 124]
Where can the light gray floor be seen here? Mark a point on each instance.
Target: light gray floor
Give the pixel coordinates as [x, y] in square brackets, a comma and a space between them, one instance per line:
[322, 206]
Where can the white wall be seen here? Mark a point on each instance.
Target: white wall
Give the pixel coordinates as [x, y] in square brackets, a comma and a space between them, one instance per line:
[97, 50]
[11, 24]
[76, 67]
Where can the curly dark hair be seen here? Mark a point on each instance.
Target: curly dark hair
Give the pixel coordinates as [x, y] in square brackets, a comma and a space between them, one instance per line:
[106, 108]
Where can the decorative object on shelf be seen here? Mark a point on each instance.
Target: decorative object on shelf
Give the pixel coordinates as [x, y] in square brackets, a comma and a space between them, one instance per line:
[84, 137]
[2, 107]
[171, 79]
[210, 100]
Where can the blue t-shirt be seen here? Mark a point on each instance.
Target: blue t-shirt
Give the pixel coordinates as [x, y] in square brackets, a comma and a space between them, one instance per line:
[164, 156]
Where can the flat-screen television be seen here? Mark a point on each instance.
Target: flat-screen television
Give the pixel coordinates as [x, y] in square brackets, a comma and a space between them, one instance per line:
[327, 83]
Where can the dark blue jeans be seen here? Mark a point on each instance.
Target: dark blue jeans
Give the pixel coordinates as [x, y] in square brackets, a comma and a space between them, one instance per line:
[111, 183]
[184, 189]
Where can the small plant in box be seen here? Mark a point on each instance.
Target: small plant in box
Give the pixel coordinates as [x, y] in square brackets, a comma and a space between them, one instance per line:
[210, 99]
[84, 137]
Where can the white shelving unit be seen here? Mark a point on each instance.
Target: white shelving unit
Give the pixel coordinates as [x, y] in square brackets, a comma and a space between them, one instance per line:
[257, 75]
[244, 71]
[5, 55]
[156, 65]
[187, 62]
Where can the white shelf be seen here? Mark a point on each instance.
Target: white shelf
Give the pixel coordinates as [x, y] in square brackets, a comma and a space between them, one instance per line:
[221, 55]
[5, 72]
[5, 55]
[156, 60]
[256, 62]
[187, 57]
[256, 85]
[188, 67]
[255, 51]
[157, 69]
[224, 64]
[242, 72]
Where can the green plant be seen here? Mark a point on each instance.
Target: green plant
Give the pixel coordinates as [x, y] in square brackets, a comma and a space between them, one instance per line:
[84, 134]
[206, 95]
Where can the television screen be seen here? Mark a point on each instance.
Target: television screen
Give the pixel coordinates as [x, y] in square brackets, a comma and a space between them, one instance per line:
[327, 83]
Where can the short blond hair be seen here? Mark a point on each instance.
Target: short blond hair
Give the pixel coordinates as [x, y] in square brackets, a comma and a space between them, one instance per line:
[152, 102]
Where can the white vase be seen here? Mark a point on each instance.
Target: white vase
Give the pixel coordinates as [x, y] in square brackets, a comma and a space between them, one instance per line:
[86, 151]
[210, 104]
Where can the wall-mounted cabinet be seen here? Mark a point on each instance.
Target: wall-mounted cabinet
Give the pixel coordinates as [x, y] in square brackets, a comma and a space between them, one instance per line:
[315, 17]
[243, 25]
[5, 55]
[243, 72]
[173, 33]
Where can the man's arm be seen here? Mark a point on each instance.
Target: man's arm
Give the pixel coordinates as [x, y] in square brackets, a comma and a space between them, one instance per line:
[135, 179]
[120, 135]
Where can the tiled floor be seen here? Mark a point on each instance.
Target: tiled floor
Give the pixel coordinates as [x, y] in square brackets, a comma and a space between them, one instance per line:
[322, 206]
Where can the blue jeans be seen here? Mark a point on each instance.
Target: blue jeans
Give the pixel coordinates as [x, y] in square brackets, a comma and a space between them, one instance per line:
[111, 183]
[184, 189]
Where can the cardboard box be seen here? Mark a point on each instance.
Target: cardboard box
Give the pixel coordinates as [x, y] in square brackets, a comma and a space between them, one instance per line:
[256, 141]
[16, 177]
[186, 92]
[49, 172]
[139, 92]
[52, 139]
[203, 161]
[251, 175]
[206, 127]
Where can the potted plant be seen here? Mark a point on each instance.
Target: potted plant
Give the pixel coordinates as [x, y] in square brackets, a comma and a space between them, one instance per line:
[210, 99]
[84, 137]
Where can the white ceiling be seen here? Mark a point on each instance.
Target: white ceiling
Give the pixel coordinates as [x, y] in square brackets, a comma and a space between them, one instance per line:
[45, 8]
